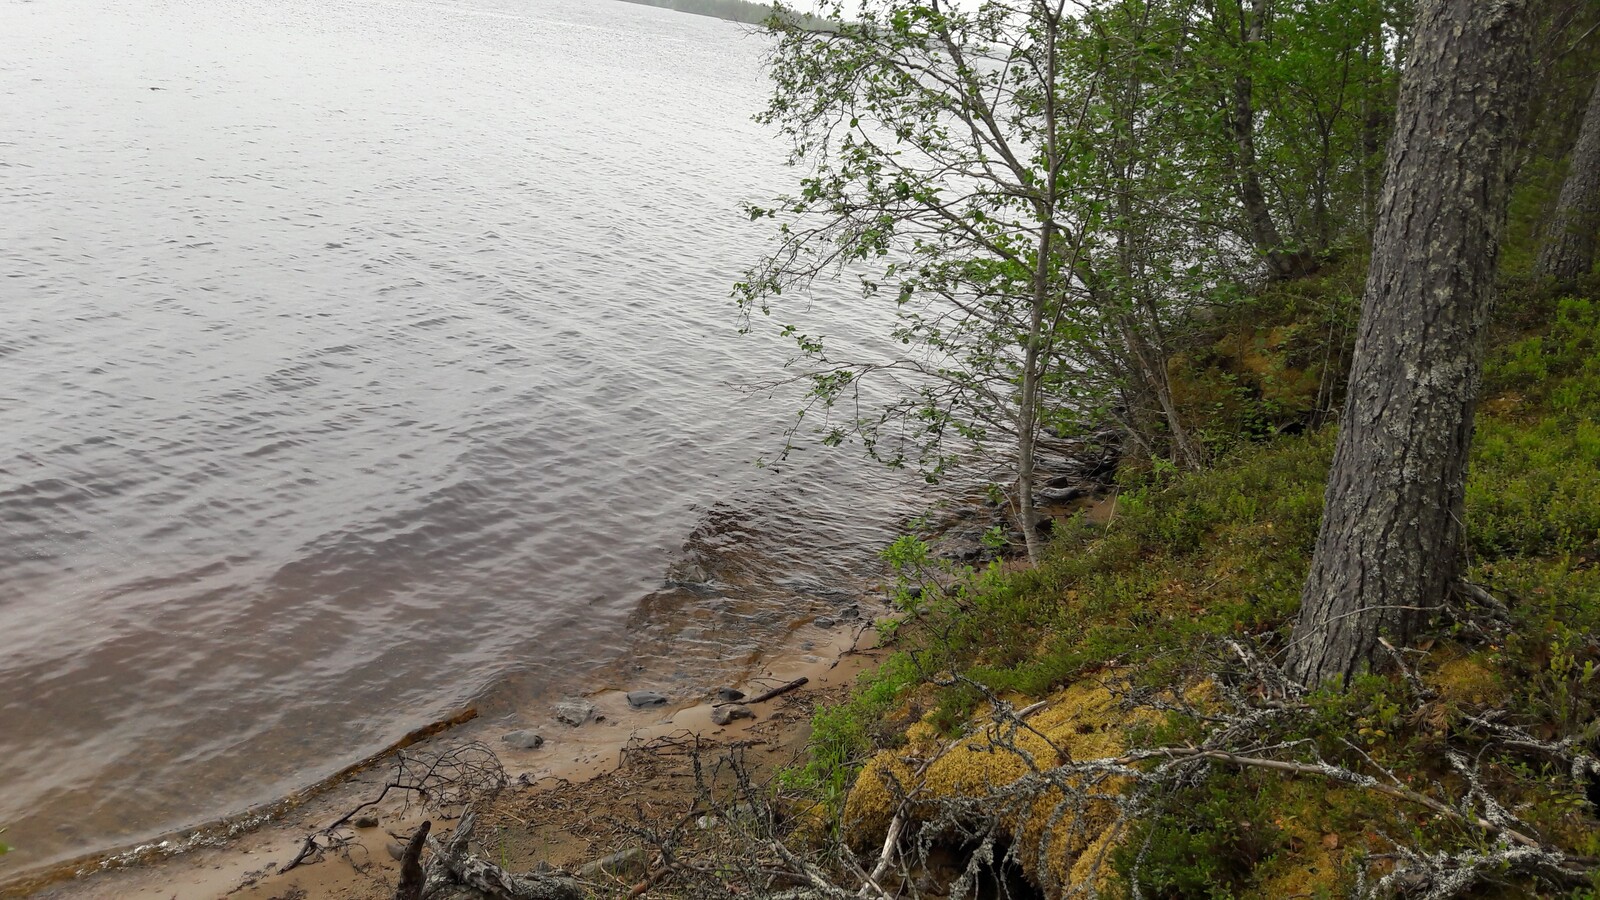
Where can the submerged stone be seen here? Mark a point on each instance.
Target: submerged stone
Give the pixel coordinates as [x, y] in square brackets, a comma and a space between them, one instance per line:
[524, 739]
[574, 712]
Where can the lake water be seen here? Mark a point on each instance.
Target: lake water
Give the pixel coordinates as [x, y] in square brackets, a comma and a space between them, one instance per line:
[362, 360]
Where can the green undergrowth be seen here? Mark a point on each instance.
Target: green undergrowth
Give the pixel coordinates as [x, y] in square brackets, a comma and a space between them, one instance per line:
[1270, 362]
[1186, 560]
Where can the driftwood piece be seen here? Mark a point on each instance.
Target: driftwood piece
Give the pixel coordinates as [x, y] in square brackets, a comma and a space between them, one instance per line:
[778, 691]
[454, 775]
[884, 859]
[452, 862]
[412, 878]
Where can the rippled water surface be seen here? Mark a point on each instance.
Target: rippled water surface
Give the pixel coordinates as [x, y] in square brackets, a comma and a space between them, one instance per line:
[357, 358]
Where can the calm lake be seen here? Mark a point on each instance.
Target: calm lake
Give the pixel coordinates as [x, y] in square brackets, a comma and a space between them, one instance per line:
[363, 360]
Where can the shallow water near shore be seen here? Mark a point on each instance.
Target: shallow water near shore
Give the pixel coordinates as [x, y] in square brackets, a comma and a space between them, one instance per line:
[366, 359]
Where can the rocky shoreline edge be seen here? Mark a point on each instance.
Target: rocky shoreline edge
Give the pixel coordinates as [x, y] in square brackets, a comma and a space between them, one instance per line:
[286, 850]
[248, 855]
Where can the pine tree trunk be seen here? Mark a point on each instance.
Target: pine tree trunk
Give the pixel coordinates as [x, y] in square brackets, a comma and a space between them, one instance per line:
[1569, 245]
[1390, 546]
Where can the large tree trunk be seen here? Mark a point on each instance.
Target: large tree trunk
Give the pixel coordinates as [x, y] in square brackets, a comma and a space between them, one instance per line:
[1569, 245]
[1390, 546]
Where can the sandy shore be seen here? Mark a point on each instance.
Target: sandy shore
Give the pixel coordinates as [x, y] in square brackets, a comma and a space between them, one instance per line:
[536, 820]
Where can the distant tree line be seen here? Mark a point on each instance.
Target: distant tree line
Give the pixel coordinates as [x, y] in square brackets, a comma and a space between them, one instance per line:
[732, 10]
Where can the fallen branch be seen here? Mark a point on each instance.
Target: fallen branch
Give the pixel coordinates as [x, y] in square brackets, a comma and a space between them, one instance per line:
[455, 775]
[1332, 773]
[1568, 750]
[455, 863]
[778, 691]
[884, 859]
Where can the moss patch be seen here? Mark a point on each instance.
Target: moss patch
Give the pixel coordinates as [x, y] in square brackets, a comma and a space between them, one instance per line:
[1057, 840]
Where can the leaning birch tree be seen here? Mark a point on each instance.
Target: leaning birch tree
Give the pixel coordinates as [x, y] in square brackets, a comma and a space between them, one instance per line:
[945, 173]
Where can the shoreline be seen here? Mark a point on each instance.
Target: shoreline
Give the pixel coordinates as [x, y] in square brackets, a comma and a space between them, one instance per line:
[243, 854]
[821, 641]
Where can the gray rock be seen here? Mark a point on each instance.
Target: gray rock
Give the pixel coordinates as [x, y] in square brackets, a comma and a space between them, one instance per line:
[396, 851]
[850, 613]
[722, 715]
[574, 712]
[824, 622]
[734, 813]
[366, 821]
[643, 699]
[630, 863]
[729, 695]
[1061, 496]
[524, 739]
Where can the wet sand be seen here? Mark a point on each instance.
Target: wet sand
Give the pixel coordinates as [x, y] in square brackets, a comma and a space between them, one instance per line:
[589, 756]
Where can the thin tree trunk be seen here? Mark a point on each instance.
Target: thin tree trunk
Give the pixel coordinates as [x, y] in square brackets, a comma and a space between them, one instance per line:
[1150, 362]
[1152, 373]
[1183, 447]
[1264, 231]
[1390, 546]
[1034, 358]
[1370, 125]
[1569, 245]
[1028, 413]
[1025, 449]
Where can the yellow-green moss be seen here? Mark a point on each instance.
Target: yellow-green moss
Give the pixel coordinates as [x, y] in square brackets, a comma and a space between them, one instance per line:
[1084, 721]
[1466, 681]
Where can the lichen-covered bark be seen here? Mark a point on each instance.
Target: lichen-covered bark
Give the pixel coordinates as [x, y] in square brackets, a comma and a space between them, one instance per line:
[1390, 544]
[1569, 244]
